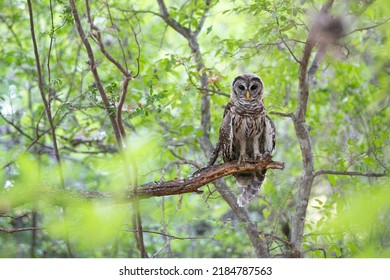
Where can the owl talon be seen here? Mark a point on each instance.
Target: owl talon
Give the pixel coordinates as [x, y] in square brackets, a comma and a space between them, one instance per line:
[267, 156]
[258, 157]
[242, 159]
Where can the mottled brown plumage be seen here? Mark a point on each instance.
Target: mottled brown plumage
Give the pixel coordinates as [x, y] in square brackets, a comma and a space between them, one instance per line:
[246, 132]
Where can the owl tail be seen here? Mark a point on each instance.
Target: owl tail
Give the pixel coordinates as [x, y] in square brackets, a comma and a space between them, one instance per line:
[251, 183]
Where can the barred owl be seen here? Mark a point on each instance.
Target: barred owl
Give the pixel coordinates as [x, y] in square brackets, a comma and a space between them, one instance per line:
[246, 132]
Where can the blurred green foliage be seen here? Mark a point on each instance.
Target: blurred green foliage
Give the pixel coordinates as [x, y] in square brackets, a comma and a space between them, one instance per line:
[348, 115]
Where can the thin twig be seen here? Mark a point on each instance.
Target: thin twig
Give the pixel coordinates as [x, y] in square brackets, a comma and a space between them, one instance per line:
[282, 114]
[172, 236]
[288, 48]
[47, 111]
[92, 64]
[366, 28]
[117, 34]
[121, 102]
[203, 17]
[213, 91]
[315, 249]
[43, 96]
[350, 173]
[13, 230]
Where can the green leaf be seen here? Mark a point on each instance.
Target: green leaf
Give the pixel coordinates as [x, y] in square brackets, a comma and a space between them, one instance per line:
[208, 30]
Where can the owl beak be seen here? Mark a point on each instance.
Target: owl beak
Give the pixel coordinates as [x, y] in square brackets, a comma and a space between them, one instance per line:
[248, 95]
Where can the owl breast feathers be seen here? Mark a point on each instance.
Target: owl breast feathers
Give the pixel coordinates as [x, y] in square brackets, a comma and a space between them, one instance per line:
[246, 133]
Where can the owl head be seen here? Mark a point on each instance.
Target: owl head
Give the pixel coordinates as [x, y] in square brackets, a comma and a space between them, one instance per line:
[247, 88]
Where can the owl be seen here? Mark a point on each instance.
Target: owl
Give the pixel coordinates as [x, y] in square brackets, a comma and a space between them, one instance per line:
[246, 132]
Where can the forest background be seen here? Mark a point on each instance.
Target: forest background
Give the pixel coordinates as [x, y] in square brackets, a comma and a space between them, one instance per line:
[107, 106]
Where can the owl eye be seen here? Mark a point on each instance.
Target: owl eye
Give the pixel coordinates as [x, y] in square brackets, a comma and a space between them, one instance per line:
[241, 87]
[254, 87]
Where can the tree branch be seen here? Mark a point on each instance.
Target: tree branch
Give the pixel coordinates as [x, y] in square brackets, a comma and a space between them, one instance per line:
[108, 107]
[47, 108]
[200, 178]
[190, 184]
[282, 114]
[172, 236]
[288, 48]
[255, 236]
[185, 32]
[303, 136]
[203, 18]
[12, 230]
[213, 91]
[96, 34]
[366, 28]
[350, 173]
[43, 96]
[191, 37]
[320, 55]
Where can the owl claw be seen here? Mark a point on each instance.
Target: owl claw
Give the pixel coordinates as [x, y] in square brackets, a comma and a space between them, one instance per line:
[242, 159]
[266, 156]
[257, 157]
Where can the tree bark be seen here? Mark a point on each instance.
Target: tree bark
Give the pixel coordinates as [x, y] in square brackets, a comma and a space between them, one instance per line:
[303, 135]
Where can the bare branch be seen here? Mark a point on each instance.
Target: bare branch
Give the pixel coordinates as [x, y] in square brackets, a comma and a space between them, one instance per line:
[108, 107]
[288, 47]
[193, 43]
[201, 177]
[171, 236]
[350, 173]
[46, 105]
[12, 230]
[121, 102]
[15, 217]
[315, 249]
[185, 32]
[110, 110]
[17, 128]
[178, 163]
[43, 95]
[274, 237]
[213, 91]
[255, 235]
[96, 33]
[203, 18]
[303, 136]
[320, 54]
[137, 11]
[282, 114]
[117, 34]
[367, 27]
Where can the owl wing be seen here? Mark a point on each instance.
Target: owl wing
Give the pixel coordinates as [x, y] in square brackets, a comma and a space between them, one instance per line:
[226, 134]
[269, 136]
[225, 141]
